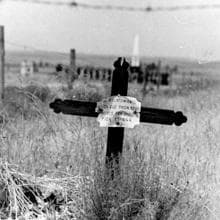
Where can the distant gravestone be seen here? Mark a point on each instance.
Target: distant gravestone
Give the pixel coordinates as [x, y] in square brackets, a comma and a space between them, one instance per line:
[27, 68]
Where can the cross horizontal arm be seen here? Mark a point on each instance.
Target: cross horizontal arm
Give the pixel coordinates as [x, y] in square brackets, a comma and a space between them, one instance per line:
[72, 107]
[150, 115]
[162, 116]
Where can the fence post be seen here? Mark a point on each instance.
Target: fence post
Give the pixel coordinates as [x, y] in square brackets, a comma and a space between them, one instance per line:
[158, 74]
[2, 63]
[72, 72]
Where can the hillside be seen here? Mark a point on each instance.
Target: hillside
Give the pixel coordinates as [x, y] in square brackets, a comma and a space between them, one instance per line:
[184, 64]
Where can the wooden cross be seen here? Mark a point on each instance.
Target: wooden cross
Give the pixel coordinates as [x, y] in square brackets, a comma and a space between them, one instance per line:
[119, 87]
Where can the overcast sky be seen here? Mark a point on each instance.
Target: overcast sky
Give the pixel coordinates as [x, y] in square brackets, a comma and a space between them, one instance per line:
[186, 33]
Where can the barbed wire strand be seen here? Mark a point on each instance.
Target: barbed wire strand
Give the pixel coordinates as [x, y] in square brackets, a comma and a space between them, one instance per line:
[61, 54]
[27, 47]
[75, 4]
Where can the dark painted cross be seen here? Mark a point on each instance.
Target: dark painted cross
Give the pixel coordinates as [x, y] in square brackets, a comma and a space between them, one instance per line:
[119, 87]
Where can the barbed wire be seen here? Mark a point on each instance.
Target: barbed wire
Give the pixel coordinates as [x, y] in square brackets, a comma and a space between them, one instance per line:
[58, 53]
[28, 47]
[75, 4]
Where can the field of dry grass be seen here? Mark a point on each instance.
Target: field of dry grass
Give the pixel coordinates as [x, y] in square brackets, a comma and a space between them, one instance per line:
[166, 172]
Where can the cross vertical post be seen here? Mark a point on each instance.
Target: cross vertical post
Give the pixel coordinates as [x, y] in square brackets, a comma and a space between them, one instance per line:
[2, 63]
[119, 87]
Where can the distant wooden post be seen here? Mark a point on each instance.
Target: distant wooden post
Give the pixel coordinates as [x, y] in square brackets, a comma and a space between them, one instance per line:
[72, 72]
[158, 75]
[2, 63]
[172, 73]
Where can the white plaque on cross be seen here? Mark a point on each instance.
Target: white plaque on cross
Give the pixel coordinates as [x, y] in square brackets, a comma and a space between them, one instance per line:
[119, 111]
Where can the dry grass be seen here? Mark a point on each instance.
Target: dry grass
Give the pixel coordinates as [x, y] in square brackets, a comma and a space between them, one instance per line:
[26, 197]
[166, 172]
